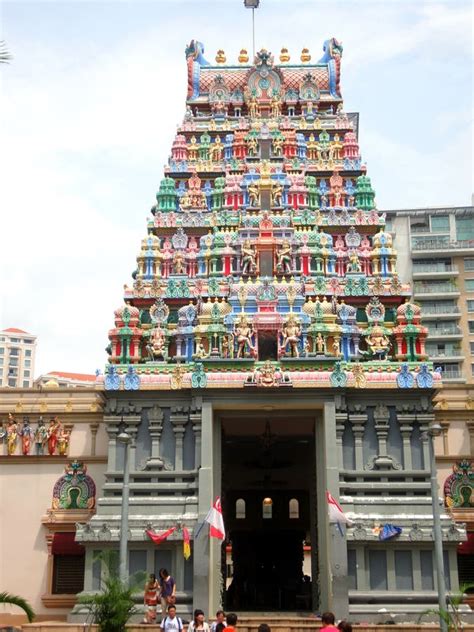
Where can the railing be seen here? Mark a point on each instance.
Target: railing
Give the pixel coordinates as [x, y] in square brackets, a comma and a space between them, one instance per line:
[443, 331]
[451, 374]
[427, 229]
[435, 267]
[434, 288]
[439, 309]
[448, 352]
[441, 244]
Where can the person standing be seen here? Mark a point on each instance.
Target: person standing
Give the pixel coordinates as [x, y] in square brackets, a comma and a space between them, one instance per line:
[171, 623]
[198, 624]
[231, 622]
[219, 624]
[168, 590]
[150, 599]
[328, 620]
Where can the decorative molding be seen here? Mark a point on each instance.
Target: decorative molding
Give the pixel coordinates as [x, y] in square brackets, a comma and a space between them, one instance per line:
[57, 458]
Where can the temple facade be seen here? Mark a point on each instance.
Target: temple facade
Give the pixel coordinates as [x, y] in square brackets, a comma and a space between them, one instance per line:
[267, 353]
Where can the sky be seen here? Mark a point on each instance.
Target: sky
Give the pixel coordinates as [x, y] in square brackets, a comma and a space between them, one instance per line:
[91, 100]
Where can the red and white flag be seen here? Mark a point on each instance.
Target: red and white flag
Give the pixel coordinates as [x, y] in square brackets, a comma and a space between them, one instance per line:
[335, 511]
[216, 521]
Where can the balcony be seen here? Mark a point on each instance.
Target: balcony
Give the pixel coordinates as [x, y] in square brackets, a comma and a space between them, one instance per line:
[439, 312]
[450, 354]
[432, 289]
[435, 271]
[451, 333]
[435, 246]
[452, 375]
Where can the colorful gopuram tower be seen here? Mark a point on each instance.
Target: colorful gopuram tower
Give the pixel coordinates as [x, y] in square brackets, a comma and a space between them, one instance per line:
[266, 352]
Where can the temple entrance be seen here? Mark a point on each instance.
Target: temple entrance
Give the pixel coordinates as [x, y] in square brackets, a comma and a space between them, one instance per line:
[267, 345]
[267, 475]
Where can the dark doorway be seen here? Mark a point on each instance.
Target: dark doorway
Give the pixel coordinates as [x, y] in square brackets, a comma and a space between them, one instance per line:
[265, 146]
[267, 345]
[266, 263]
[266, 478]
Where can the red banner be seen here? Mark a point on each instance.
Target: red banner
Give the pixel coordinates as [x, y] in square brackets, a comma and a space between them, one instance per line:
[158, 538]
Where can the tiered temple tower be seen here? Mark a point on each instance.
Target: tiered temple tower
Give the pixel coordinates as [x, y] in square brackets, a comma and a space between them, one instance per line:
[267, 285]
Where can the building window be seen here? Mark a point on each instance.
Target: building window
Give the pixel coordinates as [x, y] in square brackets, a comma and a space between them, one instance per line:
[426, 563]
[464, 228]
[469, 285]
[403, 570]
[27, 362]
[472, 347]
[11, 382]
[26, 384]
[1, 361]
[2, 351]
[471, 326]
[13, 371]
[28, 342]
[352, 569]
[28, 353]
[470, 306]
[68, 574]
[469, 265]
[294, 508]
[240, 509]
[267, 508]
[472, 370]
[440, 224]
[13, 362]
[14, 351]
[378, 570]
[26, 374]
[14, 340]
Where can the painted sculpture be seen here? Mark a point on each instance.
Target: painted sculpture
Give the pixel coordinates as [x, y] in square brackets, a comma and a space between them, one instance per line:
[75, 489]
[266, 261]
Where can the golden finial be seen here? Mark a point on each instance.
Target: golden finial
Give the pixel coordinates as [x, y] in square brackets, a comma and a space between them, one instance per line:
[284, 55]
[220, 57]
[305, 56]
[243, 56]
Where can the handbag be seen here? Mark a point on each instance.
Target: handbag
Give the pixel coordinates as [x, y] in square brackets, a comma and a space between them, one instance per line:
[171, 600]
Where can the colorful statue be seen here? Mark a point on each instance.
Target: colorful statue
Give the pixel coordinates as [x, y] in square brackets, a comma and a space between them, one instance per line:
[378, 343]
[320, 344]
[156, 346]
[354, 263]
[249, 261]
[26, 433]
[63, 441]
[284, 258]
[254, 195]
[291, 337]
[41, 437]
[277, 195]
[11, 434]
[244, 334]
[54, 431]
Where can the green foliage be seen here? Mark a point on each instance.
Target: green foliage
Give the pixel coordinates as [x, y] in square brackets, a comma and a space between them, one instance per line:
[112, 607]
[4, 56]
[14, 600]
[451, 615]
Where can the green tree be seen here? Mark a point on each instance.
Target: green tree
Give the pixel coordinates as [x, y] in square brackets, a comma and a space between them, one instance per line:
[14, 600]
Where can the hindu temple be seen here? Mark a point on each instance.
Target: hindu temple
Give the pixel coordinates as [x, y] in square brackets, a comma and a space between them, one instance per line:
[266, 352]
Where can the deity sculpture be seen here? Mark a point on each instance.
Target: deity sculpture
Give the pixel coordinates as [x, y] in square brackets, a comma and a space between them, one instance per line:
[354, 263]
[11, 434]
[26, 433]
[178, 262]
[291, 336]
[227, 346]
[217, 150]
[200, 350]
[378, 343]
[54, 430]
[156, 346]
[193, 149]
[277, 145]
[249, 258]
[277, 195]
[41, 437]
[276, 106]
[252, 146]
[253, 107]
[254, 195]
[320, 344]
[244, 333]
[284, 258]
[63, 441]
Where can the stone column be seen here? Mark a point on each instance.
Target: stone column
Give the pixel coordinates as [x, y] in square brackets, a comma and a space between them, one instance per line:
[332, 546]
[381, 418]
[112, 423]
[470, 429]
[94, 427]
[445, 428]
[132, 422]
[195, 419]
[358, 421]
[406, 421]
[179, 419]
[425, 419]
[341, 418]
[155, 427]
[203, 548]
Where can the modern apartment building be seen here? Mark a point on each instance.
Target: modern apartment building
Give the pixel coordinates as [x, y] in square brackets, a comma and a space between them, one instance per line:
[17, 358]
[64, 379]
[436, 254]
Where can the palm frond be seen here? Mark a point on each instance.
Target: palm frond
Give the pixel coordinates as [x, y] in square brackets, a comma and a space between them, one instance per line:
[4, 53]
[14, 600]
